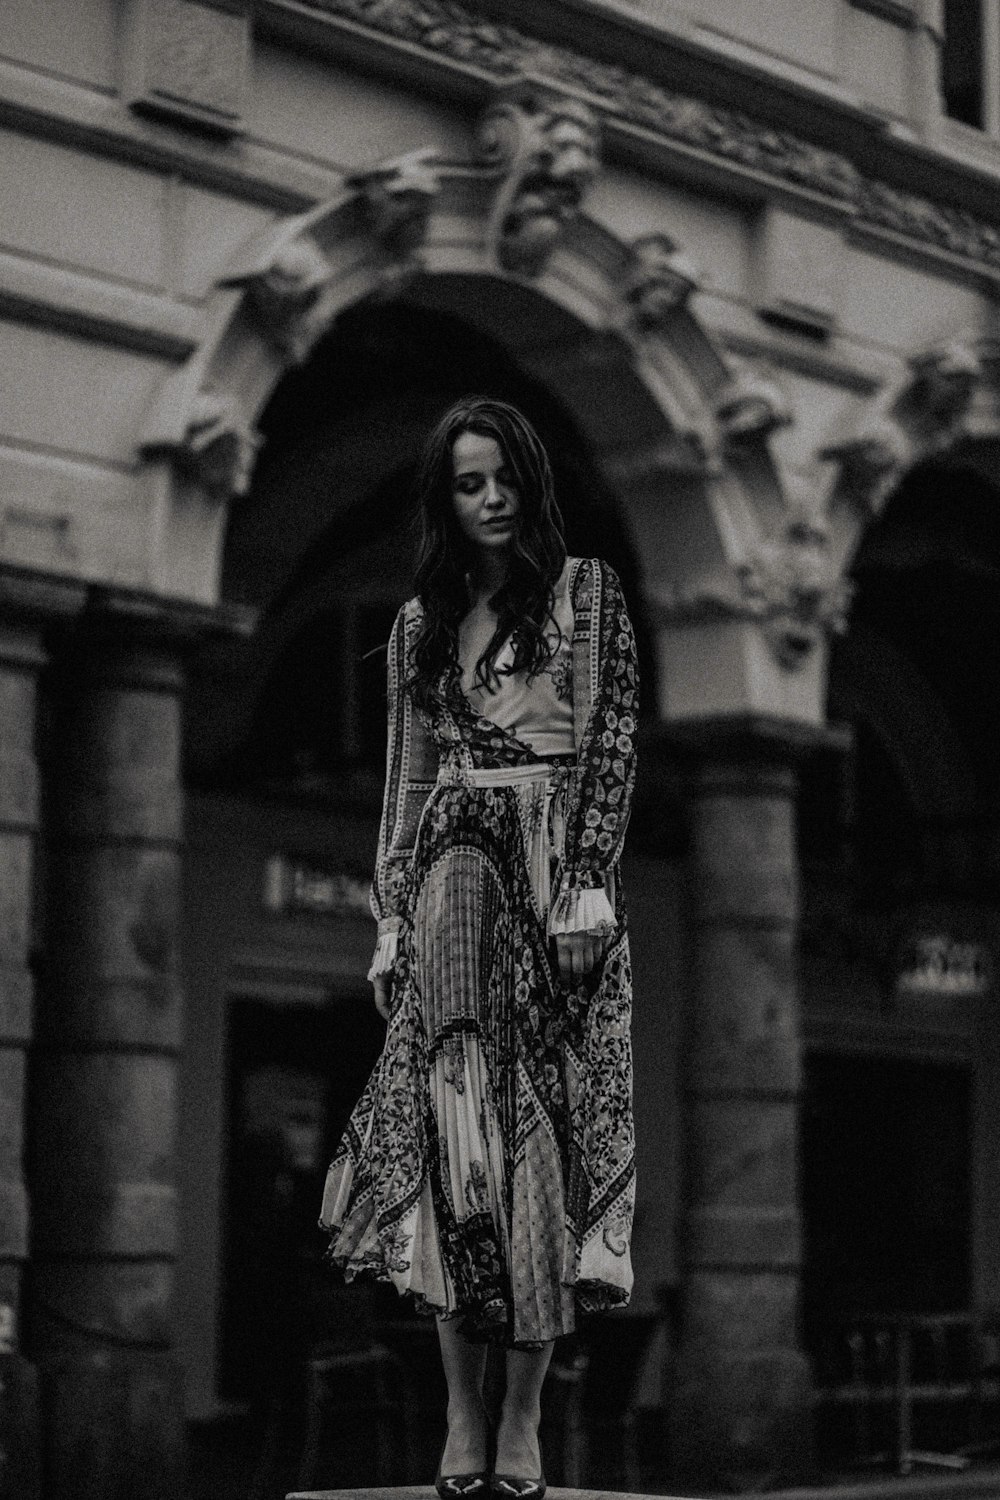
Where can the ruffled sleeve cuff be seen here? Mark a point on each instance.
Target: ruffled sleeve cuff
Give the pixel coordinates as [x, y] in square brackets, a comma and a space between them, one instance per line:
[385, 949]
[587, 911]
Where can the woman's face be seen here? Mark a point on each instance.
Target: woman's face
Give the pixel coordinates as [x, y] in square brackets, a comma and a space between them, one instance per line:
[484, 493]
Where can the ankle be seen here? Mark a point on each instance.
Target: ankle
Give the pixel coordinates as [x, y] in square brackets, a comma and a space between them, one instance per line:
[465, 1411]
[522, 1412]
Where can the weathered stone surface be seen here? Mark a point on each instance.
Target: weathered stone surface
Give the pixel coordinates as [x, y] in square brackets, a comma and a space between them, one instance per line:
[740, 1403]
[103, 1100]
[745, 1416]
[113, 1427]
[743, 846]
[748, 1039]
[20, 1477]
[20, 658]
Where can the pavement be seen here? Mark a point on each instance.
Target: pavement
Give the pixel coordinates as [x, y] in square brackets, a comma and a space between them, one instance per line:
[981, 1482]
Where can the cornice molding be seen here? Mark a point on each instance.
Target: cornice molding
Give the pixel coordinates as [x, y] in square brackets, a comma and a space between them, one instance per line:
[633, 104]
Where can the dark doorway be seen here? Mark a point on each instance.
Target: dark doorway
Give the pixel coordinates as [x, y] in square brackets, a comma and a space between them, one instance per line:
[294, 1074]
[886, 1147]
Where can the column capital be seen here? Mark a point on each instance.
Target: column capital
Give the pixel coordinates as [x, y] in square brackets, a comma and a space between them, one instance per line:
[34, 599]
[143, 617]
[752, 738]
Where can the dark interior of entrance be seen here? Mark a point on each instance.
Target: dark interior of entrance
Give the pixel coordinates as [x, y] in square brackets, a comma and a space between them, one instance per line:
[885, 1150]
[294, 1072]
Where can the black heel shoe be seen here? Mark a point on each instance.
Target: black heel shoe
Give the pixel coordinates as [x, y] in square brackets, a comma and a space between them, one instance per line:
[517, 1487]
[472, 1486]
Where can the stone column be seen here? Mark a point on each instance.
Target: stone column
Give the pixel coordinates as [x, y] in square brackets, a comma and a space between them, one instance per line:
[103, 1087]
[740, 1405]
[27, 602]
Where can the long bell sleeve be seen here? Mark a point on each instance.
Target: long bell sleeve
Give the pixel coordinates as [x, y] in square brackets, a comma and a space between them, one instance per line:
[599, 794]
[410, 772]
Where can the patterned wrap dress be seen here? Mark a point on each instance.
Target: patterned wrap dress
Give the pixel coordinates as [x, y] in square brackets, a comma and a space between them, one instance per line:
[488, 1169]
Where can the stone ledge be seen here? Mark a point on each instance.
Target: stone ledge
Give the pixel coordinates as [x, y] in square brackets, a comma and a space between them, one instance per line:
[970, 1485]
[427, 1492]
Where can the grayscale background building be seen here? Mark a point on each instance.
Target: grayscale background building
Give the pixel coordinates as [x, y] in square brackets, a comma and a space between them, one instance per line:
[740, 263]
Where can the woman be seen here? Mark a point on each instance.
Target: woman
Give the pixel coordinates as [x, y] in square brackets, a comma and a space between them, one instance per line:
[488, 1170]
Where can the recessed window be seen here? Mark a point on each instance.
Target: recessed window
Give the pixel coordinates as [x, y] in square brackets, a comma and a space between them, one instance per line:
[970, 63]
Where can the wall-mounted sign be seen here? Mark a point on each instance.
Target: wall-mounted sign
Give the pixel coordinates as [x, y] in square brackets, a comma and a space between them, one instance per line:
[293, 887]
[935, 965]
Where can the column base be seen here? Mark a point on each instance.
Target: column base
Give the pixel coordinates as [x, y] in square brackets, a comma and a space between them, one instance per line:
[740, 1421]
[113, 1425]
[20, 1439]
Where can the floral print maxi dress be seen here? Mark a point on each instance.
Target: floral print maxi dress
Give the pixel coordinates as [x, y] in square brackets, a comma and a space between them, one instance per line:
[488, 1169]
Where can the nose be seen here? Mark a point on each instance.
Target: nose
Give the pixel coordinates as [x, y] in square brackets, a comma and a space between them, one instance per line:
[494, 498]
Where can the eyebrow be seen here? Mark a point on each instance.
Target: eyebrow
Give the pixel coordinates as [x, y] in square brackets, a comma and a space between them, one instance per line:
[474, 468]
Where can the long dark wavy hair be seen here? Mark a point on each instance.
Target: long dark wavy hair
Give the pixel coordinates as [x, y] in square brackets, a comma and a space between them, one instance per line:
[525, 602]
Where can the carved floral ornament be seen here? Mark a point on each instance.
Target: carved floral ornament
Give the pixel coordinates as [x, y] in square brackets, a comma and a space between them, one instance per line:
[751, 406]
[286, 294]
[660, 280]
[209, 440]
[922, 414]
[790, 586]
[637, 102]
[398, 197]
[786, 585]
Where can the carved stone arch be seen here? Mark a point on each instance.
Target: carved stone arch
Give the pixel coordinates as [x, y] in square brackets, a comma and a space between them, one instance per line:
[736, 579]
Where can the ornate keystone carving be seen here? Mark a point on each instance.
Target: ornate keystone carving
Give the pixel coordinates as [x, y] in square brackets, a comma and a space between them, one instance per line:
[286, 293]
[751, 406]
[636, 101]
[399, 196]
[215, 445]
[662, 279]
[790, 586]
[548, 144]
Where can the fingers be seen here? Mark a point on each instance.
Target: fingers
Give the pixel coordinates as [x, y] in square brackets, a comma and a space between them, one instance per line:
[381, 987]
[577, 953]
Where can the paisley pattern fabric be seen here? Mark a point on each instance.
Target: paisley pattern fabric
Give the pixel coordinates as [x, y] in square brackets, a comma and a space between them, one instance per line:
[488, 1169]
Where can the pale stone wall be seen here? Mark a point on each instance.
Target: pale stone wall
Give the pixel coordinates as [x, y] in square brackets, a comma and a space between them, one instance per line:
[111, 245]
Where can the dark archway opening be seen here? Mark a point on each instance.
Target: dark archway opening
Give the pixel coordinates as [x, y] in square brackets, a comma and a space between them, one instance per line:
[325, 543]
[894, 881]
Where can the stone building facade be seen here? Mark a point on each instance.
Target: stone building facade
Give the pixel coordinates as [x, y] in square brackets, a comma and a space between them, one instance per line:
[741, 263]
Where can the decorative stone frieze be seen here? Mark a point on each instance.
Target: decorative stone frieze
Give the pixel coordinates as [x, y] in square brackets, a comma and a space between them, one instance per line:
[399, 196]
[285, 295]
[188, 60]
[547, 145]
[661, 280]
[212, 442]
[790, 585]
[632, 100]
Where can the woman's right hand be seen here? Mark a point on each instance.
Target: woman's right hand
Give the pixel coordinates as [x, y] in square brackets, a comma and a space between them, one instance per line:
[381, 985]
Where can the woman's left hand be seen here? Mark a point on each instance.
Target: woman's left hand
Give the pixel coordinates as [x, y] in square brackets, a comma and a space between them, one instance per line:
[577, 953]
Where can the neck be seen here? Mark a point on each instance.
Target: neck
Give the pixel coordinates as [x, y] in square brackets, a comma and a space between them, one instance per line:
[487, 573]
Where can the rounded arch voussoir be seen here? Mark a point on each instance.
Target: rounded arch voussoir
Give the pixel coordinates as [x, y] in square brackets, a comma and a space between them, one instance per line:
[734, 566]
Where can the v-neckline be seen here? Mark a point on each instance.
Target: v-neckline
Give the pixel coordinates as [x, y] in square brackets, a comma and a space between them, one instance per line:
[454, 678]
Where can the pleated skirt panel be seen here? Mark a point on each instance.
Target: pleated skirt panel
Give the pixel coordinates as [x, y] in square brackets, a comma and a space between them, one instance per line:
[488, 1169]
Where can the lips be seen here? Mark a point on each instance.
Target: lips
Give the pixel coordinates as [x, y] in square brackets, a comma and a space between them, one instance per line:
[499, 523]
